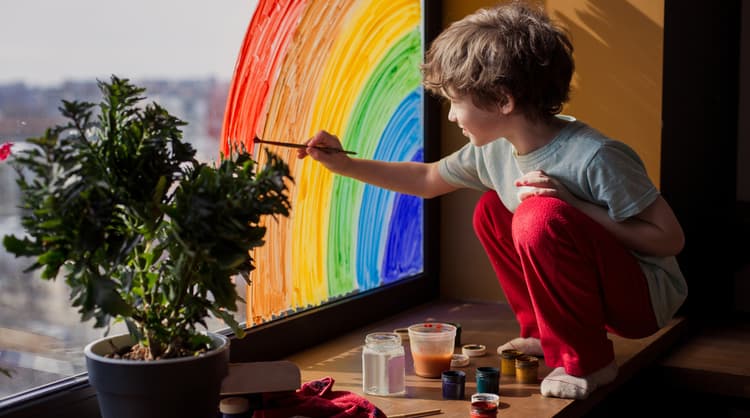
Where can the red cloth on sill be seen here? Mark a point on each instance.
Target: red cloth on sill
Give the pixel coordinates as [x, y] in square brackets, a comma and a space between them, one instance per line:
[317, 399]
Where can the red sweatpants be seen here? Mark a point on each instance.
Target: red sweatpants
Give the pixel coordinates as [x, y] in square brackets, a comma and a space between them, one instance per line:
[567, 279]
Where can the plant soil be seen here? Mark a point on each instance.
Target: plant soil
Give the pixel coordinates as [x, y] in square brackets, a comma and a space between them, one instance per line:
[139, 352]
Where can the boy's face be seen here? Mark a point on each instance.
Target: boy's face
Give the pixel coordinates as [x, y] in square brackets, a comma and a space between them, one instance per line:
[481, 126]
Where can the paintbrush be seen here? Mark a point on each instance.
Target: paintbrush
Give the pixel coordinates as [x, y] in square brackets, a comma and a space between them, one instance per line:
[418, 414]
[295, 145]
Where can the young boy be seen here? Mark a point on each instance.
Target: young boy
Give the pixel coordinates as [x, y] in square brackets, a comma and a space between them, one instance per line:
[580, 239]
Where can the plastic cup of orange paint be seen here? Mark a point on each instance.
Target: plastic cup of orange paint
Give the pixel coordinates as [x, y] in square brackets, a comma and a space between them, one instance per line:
[432, 345]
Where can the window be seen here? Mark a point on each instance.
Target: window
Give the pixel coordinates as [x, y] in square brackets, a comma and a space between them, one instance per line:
[187, 58]
[184, 56]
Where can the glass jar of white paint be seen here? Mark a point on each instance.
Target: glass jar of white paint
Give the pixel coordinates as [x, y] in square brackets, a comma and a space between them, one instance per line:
[383, 368]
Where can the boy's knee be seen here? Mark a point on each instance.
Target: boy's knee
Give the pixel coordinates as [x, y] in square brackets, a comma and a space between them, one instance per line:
[488, 204]
[537, 217]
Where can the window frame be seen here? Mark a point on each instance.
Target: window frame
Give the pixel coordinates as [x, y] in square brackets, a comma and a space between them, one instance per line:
[74, 397]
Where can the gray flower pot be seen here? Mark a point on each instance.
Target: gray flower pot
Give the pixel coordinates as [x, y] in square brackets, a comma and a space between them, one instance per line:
[173, 388]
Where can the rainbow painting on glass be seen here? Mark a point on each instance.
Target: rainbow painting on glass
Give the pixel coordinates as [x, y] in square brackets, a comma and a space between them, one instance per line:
[350, 67]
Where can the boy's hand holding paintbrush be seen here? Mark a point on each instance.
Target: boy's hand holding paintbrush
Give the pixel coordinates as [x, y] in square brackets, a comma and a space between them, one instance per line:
[327, 150]
[408, 177]
[305, 145]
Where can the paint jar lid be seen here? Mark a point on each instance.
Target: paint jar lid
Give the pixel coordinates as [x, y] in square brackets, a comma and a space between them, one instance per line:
[457, 376]
[484, 402]
[526, 361]
[382, 340]
[486, 371]
[474, 350]
[234, 405]
[459, 360]
[510, 354]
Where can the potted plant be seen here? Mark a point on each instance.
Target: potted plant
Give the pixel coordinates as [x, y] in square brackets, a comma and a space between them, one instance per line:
[116, 203]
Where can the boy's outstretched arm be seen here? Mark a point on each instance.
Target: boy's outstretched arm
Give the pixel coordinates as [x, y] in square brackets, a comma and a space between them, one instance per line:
[414, 178]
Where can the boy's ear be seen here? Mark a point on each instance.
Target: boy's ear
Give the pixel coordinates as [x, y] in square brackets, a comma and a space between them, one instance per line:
[508, 104]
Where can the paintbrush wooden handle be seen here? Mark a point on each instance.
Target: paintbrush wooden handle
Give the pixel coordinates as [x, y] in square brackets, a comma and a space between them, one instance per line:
[416, 414]
[295, 145]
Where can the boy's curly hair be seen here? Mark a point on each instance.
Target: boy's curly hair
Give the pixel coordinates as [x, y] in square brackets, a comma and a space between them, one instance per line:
[512, 49]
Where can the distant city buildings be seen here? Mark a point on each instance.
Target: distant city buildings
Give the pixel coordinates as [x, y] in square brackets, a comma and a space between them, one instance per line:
[26, 111]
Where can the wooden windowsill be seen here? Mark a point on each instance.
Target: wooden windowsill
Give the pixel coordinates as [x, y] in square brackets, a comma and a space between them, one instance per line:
[490, 324]
[713, 360]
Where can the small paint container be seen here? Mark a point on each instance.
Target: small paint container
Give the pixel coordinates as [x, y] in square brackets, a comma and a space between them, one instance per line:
[484, 405]
[474, 350]
[488, 380]
[527, 369]
[459, 360]
[454, 382]
[383, 360]
[235, 407]
[508, 362]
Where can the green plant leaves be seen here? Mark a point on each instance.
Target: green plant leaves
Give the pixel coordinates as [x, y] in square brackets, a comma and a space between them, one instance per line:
[146, 233]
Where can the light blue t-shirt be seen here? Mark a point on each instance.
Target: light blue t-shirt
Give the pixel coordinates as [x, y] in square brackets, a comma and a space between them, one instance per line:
[592, 167]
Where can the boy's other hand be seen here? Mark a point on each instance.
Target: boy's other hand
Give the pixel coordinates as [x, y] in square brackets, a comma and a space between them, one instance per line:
[539, 183]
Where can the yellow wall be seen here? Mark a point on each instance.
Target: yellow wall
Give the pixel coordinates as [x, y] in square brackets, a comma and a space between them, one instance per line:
[616, 89]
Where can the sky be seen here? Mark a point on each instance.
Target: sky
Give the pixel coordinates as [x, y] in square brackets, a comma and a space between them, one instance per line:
[44, 42]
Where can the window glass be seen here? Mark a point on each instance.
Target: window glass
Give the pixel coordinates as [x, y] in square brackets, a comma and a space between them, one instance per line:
[352, 69]
[182, 52]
